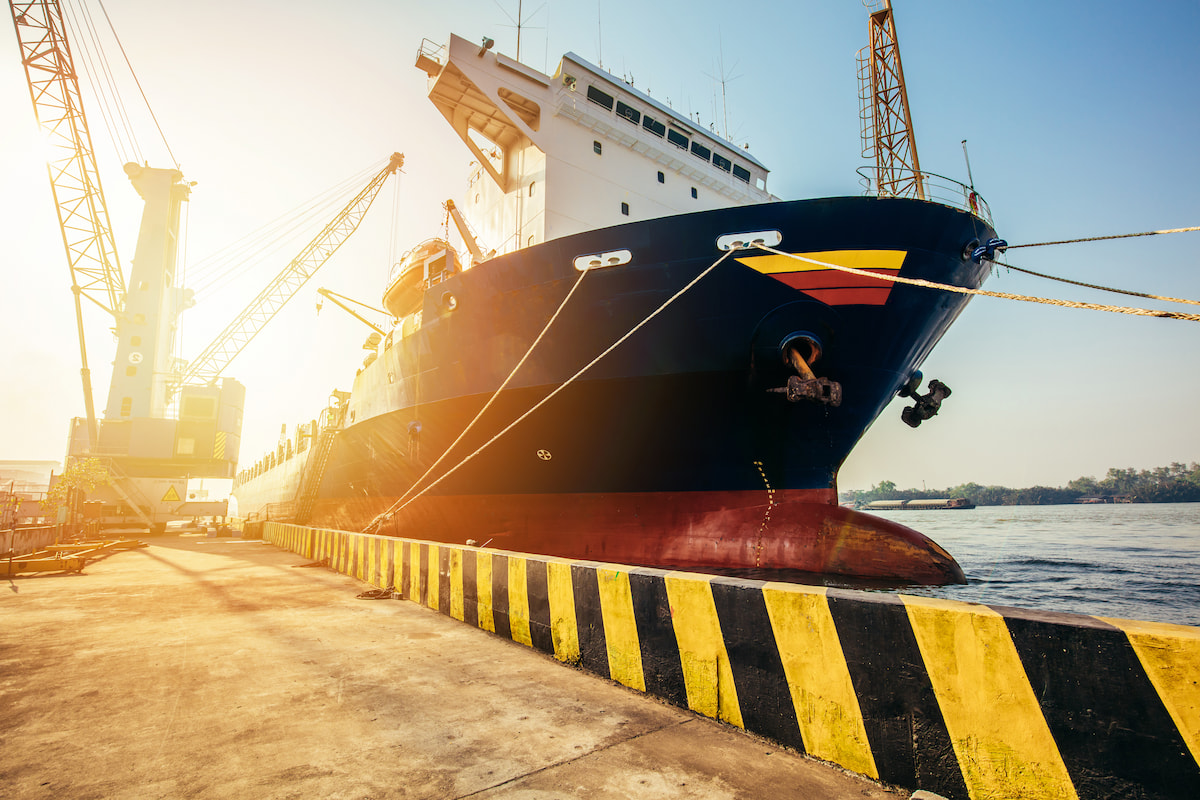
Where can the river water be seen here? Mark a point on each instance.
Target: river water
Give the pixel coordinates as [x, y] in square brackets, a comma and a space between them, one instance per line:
[1135, 561]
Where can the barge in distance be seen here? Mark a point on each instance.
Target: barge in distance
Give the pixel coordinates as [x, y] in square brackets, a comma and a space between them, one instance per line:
[710, 438]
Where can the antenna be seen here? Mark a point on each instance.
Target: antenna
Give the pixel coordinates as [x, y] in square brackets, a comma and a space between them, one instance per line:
[599, 37]
[724, 79]
[970, 179]
[519, 21]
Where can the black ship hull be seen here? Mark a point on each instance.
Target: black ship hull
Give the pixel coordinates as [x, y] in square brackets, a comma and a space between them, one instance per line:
[679, 447]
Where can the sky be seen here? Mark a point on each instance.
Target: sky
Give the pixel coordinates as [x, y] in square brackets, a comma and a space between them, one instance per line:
[1081, 120]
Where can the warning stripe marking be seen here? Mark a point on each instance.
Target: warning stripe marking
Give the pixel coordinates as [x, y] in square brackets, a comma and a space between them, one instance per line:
[1170, 654]
[620, 629]
[961, 699]
[823, 695]
[706, 672]
[996, 725]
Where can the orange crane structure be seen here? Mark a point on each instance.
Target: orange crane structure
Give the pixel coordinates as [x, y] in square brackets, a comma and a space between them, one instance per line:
[74, 178]
[887, 128]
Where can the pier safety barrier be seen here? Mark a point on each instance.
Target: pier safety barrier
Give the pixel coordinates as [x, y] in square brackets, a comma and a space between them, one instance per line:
[22, 541]
[965, 700]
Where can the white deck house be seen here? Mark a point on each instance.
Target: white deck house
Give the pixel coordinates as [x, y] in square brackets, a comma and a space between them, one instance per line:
[576, 151]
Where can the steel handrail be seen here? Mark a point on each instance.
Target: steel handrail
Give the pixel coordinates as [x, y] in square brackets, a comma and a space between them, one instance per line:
[937, 189]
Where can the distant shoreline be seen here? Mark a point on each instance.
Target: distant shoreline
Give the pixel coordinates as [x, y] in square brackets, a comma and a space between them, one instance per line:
[1177, 483]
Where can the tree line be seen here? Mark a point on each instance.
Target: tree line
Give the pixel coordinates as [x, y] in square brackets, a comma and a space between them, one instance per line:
[1177, 483]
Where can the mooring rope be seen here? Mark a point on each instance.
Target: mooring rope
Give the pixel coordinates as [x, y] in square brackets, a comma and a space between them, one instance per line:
[404, 497]
[398, 507]
[1143, 312]
[1103, 238]
[1097, 286]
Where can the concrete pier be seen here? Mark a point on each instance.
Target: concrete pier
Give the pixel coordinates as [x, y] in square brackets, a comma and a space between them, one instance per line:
[201, 667]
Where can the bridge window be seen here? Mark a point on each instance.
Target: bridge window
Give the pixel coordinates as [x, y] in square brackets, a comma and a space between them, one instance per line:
[700, 151]
[654, 126]
[677, 138]
[628, 112]
[600, 98]
[741, 173]
[721, 162]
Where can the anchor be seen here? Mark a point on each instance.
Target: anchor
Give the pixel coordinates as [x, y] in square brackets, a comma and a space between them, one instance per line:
[925, 405]
[806, 385]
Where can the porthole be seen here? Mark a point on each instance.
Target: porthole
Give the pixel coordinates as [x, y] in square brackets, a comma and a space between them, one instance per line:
[449, 301]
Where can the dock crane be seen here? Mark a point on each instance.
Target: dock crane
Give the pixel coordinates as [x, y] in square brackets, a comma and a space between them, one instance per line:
[146, 446]
[207, 366]
[74, 177]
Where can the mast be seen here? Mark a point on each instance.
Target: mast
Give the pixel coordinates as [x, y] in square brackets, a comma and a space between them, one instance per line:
[887, 124]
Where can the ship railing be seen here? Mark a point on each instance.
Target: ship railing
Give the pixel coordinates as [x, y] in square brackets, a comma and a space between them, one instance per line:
[924, 186]
[431, 55]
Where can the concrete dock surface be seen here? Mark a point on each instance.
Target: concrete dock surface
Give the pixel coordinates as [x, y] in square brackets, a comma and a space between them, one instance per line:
[205, 667]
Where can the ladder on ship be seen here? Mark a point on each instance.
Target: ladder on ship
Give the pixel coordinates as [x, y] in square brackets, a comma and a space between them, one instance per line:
[314, 471]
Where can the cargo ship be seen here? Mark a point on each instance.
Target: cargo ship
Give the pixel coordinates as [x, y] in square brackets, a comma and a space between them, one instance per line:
[645, 358]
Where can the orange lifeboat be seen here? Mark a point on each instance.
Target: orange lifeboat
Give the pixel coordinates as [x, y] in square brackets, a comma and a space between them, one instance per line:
[429, 263]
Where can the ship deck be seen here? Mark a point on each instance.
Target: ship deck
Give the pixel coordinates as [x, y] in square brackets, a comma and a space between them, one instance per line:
[218, 668]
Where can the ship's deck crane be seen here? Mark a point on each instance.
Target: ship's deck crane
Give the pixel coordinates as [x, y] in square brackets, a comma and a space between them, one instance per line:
[74, 177]
[207, 366]
[343, 302]
[465, 232]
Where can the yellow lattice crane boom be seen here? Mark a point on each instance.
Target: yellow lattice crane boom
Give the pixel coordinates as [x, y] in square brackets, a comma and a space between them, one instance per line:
[206, 367]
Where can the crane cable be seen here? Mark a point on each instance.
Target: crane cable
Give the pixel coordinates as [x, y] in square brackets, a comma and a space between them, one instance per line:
[96, 65]
[214, 272]
[96, 68]
[145, 99]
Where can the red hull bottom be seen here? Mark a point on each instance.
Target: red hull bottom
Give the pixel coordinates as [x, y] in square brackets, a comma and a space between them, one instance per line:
[799, 530]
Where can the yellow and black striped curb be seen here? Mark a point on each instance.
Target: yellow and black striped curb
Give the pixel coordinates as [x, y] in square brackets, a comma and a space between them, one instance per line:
[968, 701]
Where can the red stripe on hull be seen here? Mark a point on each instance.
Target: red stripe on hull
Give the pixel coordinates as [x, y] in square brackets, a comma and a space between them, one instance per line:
[802, 530]
[834, 279]
[850, 297]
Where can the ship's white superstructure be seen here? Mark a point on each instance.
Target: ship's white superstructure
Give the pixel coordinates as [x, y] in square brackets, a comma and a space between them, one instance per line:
[579, 150]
